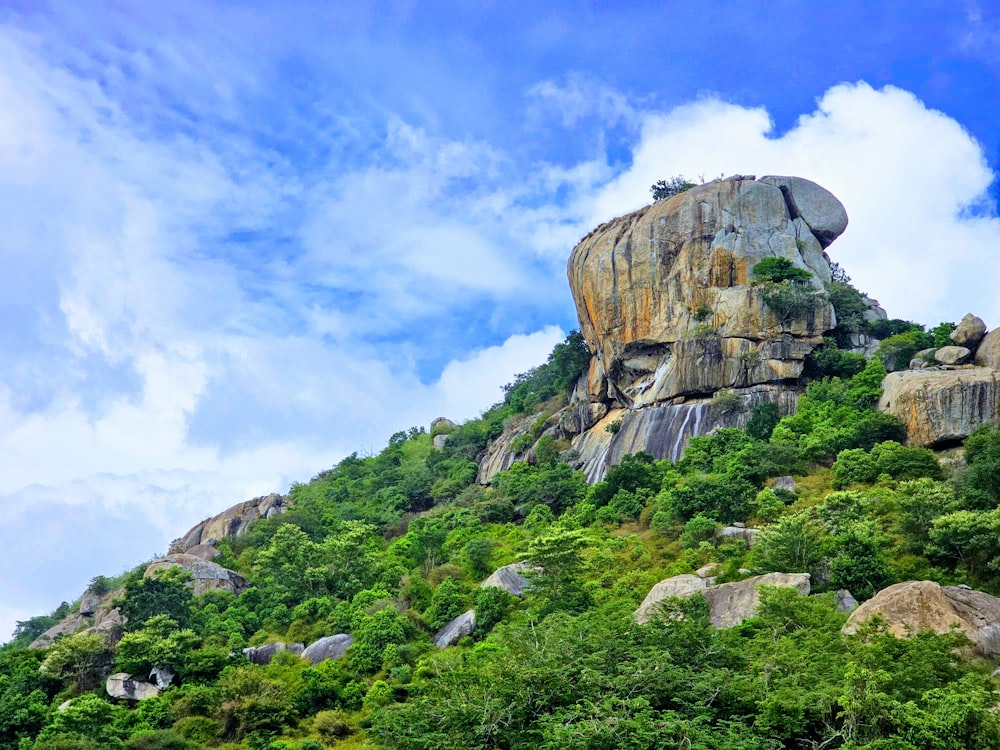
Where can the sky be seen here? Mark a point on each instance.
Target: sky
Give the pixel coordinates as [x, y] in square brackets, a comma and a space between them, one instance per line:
[242, 240]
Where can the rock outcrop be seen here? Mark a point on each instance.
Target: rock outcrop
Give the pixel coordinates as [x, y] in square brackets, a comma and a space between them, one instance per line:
[123, 686]
[329, 648]
[666, 299]
[230, 522]
[509, 579]
[101, 617]
[456, 630]
[205, 575]
[969, 332]
[921, 606]
[939, 407]
[988, 351]
[264, 654]
[729, 604]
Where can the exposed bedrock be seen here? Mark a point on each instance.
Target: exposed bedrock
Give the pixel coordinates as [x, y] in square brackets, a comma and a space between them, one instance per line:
[665, 294]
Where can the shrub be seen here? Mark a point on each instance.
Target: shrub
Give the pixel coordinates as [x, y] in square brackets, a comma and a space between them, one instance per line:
[777, 270]
[896, 351]
[853, 466]
[662, 189]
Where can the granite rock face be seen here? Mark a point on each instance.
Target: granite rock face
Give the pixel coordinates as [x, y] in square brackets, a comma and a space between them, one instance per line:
[123, 686]
[264, 654]
[921, 606]
[231, 522]
[665, 295]
[988, 352]
[941, 406]
[509, 579]
[969, 332]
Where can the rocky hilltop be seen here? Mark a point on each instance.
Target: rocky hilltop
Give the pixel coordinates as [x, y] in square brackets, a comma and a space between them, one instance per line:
[673, 316]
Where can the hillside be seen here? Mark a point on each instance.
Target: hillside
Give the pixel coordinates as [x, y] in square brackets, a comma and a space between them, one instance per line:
[659, 538]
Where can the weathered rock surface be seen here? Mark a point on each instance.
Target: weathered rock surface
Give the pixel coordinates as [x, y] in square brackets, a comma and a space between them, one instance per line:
[969, 332]
[264, 654]
[509, 579]
[500, 454]
[330, 648]
[123, 686]
[648, 283]
[952, 355]
[102, 618]
[941, 406]
[162, 677]
[846, 602]
[785, 483]
[988, 353]
[456, 630]
[920, 606]
[230, 522]
[742, 533]
[206, 575]
[729, 603]
[664, 431]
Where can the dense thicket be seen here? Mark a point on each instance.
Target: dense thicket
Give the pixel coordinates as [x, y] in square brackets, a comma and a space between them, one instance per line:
[390, 547]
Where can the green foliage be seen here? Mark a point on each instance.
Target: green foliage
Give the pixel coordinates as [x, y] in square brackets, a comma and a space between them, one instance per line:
[633, 472]
[662, 189]
[557, 562]
[796, 543]
[447, 603]
[860, 559]
[969, 539]
[82, 657]
[776, 270]
[941, 335]
[557, 486]
[253, 701]
[979, 483]
[763, 419]
[897, 350]
[699, 529]
[166, 592]
[492, 604]
[557, 376]
[828, 360]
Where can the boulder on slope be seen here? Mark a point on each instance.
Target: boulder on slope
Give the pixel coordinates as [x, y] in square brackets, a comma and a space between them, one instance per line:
[509, 579]
[969, 332]
[329, 648]
[456, 630]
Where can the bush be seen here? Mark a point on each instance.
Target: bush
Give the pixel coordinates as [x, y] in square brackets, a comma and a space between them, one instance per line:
[853, 466]
[662, 189]
[777, 270]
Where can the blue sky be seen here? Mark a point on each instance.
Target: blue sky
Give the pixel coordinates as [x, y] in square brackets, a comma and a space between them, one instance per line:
[242, 240]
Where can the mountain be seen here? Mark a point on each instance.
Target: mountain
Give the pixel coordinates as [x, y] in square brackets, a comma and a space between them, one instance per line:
[659, 538]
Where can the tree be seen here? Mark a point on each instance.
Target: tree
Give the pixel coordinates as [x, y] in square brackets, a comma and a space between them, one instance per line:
[795, 544]
[558, 564]
[166, 592]
[662, 189]
[82, 657]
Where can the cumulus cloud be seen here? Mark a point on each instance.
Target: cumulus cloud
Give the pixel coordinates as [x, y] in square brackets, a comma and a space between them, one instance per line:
[923, 238]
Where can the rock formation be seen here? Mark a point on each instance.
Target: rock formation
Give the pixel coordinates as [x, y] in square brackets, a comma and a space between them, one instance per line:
[329, 648]
[96, 614]
[230, 522]
[729, 604]
[509, 579]
[205, 575]
[123, 686]
[264, 654]
[920, 606]
[456, 630]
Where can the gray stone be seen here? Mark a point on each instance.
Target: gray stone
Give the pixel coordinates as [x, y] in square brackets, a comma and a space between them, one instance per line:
[439, 440]
[748, 536]
[730, 604]
[708, 572]
[846, 603]
[969, 332]
[817, 206]
[923, 358]
[509, 579]
[123, 686]
[264, 654]
[330, 648]
[952, 355]
[89, 603]
[456, 630]
[162, 677]
[784, 483]
[676, 586]
[233, 521]
[61, 708]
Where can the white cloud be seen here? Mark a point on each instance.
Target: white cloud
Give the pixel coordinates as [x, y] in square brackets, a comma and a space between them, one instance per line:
[909, 176]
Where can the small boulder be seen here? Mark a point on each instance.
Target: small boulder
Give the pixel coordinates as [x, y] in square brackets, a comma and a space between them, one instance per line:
[846, 603]
[709, 571]
[988, 353]
[952, 355]
[739, 532]
[509, 579]
[330, 648]
[969, 332]
[162, 677]
[89, 603]
[784, 483]
[921, 606]
[923, 358]
[456, 630]
[264, 654]
[123, 686]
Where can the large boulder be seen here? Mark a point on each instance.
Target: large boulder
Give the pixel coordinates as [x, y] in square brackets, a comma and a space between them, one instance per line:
[988, 353]
[925, 606]
[969, 332]
[509, 579]
[729, 604]
[264, 654]
[231, 522]
[939, 407]
[952, 355]
[665, 294]
[123, 686]
[205, 575]
[456, 630]
[330, 648]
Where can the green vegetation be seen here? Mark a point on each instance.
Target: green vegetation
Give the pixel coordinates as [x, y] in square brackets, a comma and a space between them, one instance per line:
[668, 188]
[391, 547]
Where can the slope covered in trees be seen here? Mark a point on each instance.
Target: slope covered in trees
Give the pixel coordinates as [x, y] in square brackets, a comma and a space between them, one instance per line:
[391, 547]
